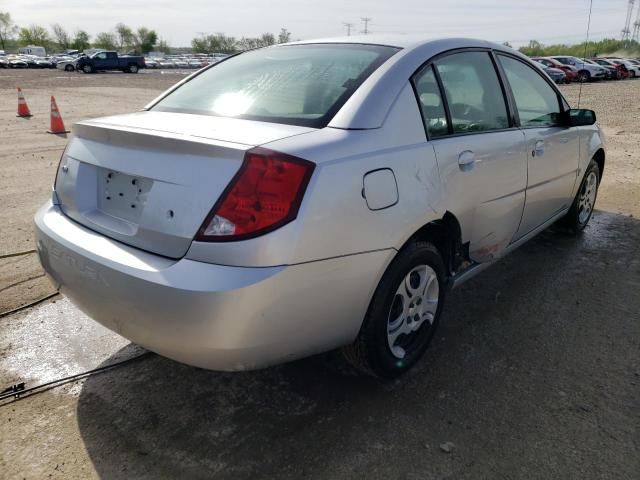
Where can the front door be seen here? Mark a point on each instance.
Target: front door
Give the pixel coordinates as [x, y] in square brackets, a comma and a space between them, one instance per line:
[552, 149]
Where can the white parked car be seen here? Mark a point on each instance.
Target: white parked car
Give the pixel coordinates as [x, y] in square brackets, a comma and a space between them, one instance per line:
[309, 196]
[634, 69]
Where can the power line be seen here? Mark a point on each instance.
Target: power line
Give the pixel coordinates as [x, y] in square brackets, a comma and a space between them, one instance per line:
[348, 25]
[366, 21]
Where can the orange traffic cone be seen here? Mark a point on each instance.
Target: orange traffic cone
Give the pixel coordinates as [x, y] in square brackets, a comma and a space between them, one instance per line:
[23, 109]
[57, 125]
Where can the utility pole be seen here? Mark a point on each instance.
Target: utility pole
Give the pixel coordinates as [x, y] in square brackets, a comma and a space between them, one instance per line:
[636, 27]
[366, 21]
[348, 25]
[626, 31]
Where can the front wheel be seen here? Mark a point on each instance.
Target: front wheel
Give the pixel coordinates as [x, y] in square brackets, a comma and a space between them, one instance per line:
[582, 207]
[633, 74]
[69, 68]
[403, 314]
[87, 69]
[584, 76]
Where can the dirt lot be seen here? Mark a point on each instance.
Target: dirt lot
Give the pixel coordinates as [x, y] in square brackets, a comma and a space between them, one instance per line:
[535, 372]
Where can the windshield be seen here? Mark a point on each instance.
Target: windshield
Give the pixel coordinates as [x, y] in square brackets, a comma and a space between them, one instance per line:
[295, 84]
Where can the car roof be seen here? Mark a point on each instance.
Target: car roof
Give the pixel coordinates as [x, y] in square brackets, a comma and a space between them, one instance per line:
[408, 41]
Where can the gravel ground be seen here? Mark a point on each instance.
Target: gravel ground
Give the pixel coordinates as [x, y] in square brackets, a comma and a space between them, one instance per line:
[535, 372]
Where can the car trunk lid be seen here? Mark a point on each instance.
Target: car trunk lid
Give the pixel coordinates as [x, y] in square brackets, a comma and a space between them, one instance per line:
[149, 179]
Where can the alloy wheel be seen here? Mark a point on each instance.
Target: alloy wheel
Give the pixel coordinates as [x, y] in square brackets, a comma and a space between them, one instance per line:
[587, 197]
[415, 302]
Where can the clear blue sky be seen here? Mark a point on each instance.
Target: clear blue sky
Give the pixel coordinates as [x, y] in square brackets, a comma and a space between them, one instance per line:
[516, 21]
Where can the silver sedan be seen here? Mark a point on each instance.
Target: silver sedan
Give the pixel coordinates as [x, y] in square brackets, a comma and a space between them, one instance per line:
[315, 195]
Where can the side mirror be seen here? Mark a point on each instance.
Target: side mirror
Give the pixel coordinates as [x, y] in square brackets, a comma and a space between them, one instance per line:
[579, 117]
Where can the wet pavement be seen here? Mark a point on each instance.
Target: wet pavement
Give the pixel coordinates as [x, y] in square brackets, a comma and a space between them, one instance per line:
[535, 373]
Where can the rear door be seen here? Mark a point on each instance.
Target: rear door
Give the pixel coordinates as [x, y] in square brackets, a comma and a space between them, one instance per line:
[552, 149]
[480, 153]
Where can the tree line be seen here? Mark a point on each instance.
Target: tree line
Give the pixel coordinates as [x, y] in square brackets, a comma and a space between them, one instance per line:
[592, 48]
[123, 38]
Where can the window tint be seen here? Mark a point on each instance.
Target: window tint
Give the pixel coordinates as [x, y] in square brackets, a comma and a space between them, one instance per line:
[536, 101]
[473, 92]
[431, 104]
[296, 84]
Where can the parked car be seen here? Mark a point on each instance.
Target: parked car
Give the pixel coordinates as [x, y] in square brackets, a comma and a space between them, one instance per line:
[571, 73]
[612, 72]
[634, 70]
[4, 62]
[623, 73]
[68, 65]
[635, 66]
[163, 63]
[110, 61]
[17, 62]
[254, 215]
[151, 63]
[557, 75]
[587, 72]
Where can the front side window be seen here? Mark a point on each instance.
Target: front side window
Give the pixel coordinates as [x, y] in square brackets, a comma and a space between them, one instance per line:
[473, 92]
[431, 105]
[295, 84]
[536, 101]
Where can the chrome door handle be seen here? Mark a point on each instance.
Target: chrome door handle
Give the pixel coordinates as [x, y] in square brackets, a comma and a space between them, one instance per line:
[466, 160]
[538, 150]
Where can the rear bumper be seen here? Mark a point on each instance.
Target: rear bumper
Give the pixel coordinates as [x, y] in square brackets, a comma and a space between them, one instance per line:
[211, 316]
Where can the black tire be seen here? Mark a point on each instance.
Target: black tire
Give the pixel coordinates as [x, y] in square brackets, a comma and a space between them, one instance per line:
[370, 353]
[583, 76]
[632, 74]
[69, 68]
[133, 69]
[87, 68]
[572, 219]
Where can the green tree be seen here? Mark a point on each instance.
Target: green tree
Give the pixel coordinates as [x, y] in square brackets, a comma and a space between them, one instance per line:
[125, 37]
[266, 39]
[34, 35]
[106, 40]
[590, 49]
[284, 36]
[62, 37]
[81, 40]
[145, 39]
[7, 28]
[218, 43]
[163, 46]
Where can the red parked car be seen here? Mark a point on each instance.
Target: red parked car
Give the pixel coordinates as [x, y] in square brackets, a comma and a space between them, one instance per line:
[570, 71]
[623, 72]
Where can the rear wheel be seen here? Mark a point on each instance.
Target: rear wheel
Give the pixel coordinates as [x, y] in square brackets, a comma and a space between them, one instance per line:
[69, 68]
[133, 69]
[403, 314]
[633, 74]
[582, 208]
[87, 69]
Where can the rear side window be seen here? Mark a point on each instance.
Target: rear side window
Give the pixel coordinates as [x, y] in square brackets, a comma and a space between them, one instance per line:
[473, 92]
[295, 84]
[536, 101]
[431, 105]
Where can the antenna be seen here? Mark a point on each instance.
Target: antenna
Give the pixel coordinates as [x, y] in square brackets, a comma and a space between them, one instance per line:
[366, 21]
[586, 43]
[348, 25]
[626, 31]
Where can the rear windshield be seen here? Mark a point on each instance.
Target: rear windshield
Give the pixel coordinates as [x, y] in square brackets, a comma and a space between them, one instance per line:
[296, 84]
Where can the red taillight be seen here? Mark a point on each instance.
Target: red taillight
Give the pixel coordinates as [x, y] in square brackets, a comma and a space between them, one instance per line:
[264, 195]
